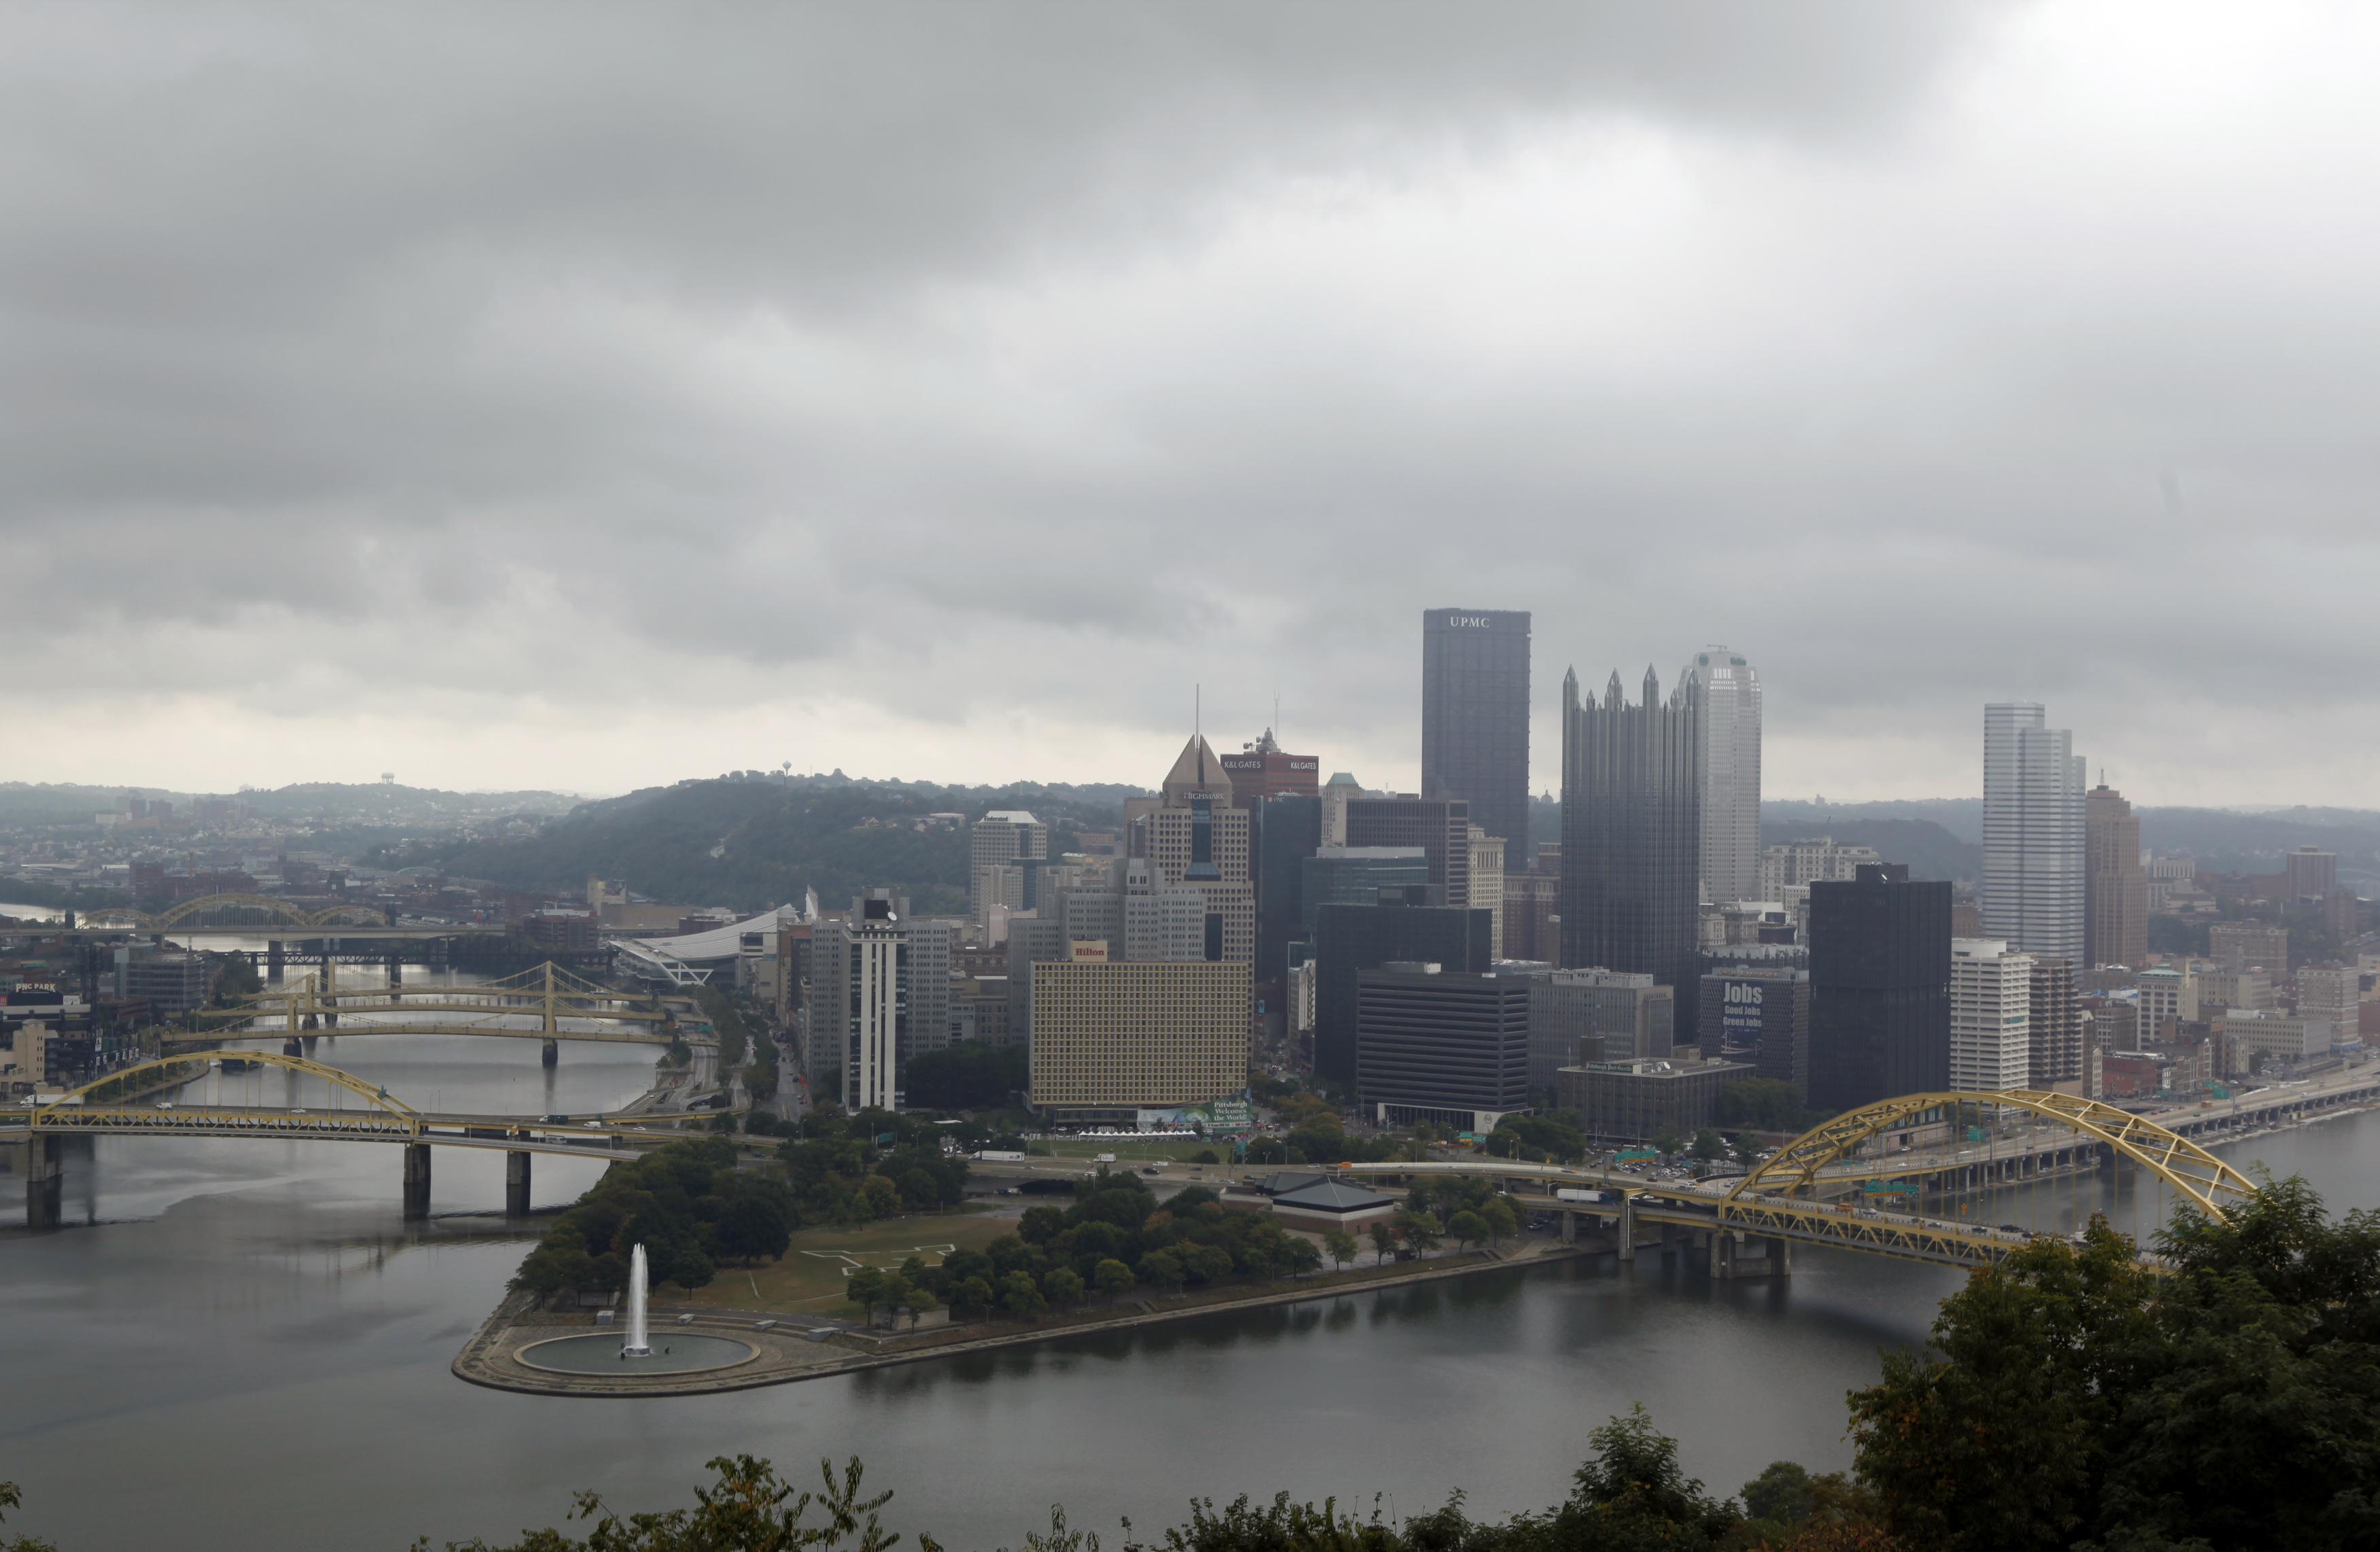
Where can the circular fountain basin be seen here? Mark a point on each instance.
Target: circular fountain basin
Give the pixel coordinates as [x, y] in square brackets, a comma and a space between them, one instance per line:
[598, 1352]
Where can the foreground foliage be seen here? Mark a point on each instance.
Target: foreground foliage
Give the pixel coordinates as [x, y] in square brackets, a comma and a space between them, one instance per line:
[2073, 1399]
[1630, 1496]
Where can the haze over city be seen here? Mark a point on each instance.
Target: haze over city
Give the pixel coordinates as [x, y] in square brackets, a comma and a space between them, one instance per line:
[1520, 777]
[587, 398]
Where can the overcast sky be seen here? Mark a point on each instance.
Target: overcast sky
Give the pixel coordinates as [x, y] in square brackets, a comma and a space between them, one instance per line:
[587, 396]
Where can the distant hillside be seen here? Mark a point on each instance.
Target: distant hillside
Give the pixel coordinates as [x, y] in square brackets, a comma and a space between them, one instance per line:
[2223, 842]
[73, 802]
[1962, 817]
[749, 843]
[1931, 851]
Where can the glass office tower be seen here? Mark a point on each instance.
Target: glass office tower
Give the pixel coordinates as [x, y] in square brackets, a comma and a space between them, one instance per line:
[1631, 834]
[1475, 719]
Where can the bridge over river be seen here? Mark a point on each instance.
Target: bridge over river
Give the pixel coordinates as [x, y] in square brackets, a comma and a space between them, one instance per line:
[350, 1110]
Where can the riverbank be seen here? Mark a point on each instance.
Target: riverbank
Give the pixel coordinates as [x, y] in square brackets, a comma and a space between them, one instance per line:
[786, 1351]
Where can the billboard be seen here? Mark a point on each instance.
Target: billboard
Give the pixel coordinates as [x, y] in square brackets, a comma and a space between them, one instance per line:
[1742, 1011]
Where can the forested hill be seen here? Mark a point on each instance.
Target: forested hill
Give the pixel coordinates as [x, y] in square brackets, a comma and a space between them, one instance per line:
[751, 842]
[1930, 850]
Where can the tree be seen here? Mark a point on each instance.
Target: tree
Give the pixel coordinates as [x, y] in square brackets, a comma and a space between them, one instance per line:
[1300, 1257]
[9, 1498]
[865, 1288]
[1468, 1227]
[2072, 1398]
[690, 1269]
[1206, 1263]
[1416, 1231]
[753, 1227]
[1707, 1145]
[1384, 1240]
[878, 1197]
[1634, 1493]
[1112, 1278]
[1064, 1287]
[1341, 1246]
[1501, 1218]
[970, 1297]
[1163, 1268]
[1020, 1297]
[1762, 1104]
[745, 1509]
[1205, 1156]
[1667, 1141]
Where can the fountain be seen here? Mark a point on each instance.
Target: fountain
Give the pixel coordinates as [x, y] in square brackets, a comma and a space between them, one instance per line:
[636, 1346]
[686, 1352]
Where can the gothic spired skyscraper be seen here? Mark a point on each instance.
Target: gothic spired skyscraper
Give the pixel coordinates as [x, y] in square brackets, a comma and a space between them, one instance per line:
[1730, 776]
[1632, 833]
[1475, 719]
[2034, 861]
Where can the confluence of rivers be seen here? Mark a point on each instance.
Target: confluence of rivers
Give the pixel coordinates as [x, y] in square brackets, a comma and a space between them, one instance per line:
[242, 1346]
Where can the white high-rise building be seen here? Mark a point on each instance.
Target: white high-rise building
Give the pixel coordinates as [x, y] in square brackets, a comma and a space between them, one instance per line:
[1730, 717]
[1991, 1014]
[2034, 858]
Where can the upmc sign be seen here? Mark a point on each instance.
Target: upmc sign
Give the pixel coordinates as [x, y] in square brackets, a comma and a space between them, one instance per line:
[1470, 622]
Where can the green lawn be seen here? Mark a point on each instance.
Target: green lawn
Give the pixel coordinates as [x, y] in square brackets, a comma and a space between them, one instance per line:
[810, 1276]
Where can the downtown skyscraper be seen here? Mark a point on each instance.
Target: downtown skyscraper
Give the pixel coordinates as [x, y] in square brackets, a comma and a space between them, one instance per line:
[1475, 719]
[1632, 833]
[1730, 731]
[2035, 862]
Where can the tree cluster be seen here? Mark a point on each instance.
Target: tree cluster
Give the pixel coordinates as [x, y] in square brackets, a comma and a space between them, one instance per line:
[1114, 1238]
[1539, 1138]
[685, 1202]
[2073, 1399]
[857, 1169]
[968, 1075]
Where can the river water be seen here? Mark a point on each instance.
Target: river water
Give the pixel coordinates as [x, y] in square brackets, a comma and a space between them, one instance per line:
[241, 1345]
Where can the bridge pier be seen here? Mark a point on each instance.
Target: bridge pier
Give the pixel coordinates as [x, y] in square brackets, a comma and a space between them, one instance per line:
[516, 1185]
[396, 971]
[275, 959]
[417, 1180]
[46, 1182]
[1569, 1227]
[293, 1047]
[552, 1056]
[310, 1042]
[1627, 1227]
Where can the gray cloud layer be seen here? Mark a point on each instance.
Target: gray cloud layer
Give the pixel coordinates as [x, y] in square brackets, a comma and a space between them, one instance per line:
[942, 389]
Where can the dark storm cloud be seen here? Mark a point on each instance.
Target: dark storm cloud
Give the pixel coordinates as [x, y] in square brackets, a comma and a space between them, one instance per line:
[1001, 369]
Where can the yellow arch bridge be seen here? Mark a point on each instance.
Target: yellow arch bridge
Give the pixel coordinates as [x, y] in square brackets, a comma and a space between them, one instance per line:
[1856, 1183]
[350, 1111]
[545, 1002]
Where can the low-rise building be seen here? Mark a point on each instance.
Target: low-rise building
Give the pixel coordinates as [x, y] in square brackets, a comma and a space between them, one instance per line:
[1625, 1014]
[1640, 1100]
[1330, 1204]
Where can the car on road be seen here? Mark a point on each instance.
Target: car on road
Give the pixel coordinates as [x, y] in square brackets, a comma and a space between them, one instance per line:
[1150, 1170]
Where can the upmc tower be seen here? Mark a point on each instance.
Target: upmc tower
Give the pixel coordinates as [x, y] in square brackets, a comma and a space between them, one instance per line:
[1475, 718]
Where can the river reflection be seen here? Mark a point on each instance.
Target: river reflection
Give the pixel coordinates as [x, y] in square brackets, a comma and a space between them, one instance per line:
[251, 1351]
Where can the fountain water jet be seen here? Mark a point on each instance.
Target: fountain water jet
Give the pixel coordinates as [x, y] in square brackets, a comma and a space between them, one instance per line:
[636, 1346]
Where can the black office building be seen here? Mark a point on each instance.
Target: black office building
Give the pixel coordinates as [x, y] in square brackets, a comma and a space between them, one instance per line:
[1448, 1048]
[1631, 834]
[1349, 940]
[1879, 988]
[1441, 827]
[1474, 719]
[1287, 829]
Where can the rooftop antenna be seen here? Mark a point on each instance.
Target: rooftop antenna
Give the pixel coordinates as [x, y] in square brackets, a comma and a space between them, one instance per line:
[1198, 713]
